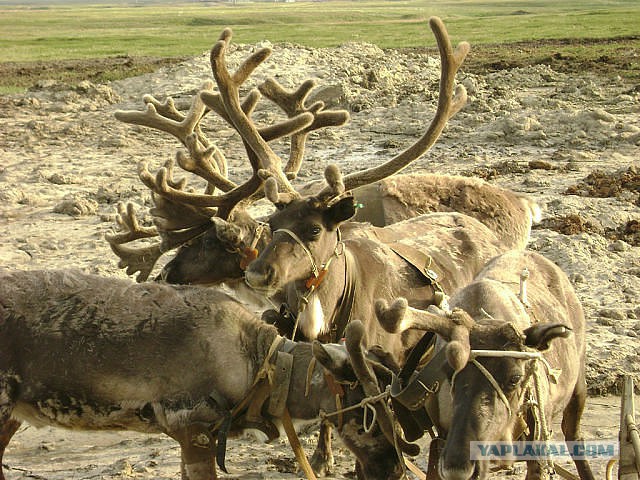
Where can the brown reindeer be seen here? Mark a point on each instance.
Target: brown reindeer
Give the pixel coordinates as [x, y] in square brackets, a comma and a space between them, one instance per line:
[329, 278]
[95, 353]
[515, 339]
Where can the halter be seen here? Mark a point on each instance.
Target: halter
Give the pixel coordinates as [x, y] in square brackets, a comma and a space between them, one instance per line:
[542, 433]
[318, 273]
[498, 354]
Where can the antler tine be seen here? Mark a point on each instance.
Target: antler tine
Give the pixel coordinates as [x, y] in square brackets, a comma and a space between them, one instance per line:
[354, 339]
[140, 259]
[161, 185]
[449, 103]
[127, 220]
[199, 161]
[453, 326]
[165, 117]
[292, 103]
[205, 160]
[398, 317]
[228, 86]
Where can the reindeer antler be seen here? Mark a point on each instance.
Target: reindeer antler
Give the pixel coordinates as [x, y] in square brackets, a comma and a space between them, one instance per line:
[450, 101]
[140, 259]
[180, 213]
[354, 334]
[229, 94]
[453, 326]
[292, 103]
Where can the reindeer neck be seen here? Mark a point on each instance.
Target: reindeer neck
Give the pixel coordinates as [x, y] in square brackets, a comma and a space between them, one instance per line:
[318, 302]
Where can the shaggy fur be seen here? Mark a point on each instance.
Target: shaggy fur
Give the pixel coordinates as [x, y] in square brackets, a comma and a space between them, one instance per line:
[93, 353]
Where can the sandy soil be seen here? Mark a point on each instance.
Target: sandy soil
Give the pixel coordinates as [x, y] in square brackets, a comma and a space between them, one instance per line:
[570, 140]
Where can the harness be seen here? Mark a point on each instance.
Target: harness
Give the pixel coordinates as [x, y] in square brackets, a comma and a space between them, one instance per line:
[269, 391]
[270, 386]
[341, 315]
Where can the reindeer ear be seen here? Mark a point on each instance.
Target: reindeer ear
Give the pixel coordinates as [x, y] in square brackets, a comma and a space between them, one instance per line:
[335, 359]
[538, 336]
[339, 212]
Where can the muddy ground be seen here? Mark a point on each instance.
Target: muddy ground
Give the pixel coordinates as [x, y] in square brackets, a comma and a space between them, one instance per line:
[566, 134]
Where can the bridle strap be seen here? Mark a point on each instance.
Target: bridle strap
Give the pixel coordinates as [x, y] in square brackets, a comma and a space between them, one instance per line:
[493, 383]
[500, 353]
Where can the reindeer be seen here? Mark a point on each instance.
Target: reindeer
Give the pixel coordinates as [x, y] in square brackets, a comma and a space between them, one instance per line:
[328, 278]
[96, 353]
[514, 360]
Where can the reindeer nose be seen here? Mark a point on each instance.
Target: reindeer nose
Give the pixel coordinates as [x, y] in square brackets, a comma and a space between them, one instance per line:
[457, 472]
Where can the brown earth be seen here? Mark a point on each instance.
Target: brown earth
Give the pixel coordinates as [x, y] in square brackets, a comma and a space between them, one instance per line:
[620, 58]
[28, 74]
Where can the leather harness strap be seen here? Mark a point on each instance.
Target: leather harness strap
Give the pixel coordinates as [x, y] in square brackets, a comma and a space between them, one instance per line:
[411, 388]
[270, 385]
[342, 313]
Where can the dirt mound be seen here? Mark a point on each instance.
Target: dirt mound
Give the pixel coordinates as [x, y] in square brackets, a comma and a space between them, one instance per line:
[621, 184]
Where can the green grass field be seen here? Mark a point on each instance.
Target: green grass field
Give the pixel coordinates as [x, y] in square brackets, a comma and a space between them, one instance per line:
[103, 42]
[77, 31]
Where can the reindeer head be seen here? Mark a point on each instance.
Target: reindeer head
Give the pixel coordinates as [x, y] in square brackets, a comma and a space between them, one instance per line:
[493, 364]
[372, 443]
[305, 235]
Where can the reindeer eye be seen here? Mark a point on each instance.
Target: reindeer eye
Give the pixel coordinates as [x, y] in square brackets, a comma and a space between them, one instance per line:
[315, 231]
[514, 381]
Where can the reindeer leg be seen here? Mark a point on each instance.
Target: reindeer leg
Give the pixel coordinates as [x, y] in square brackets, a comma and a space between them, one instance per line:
[571, 423]
[8, 428]
[322, 459]
[435, 451]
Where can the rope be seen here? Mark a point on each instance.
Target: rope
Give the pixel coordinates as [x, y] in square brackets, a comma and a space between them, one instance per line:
[364, 403]
[367, 405]
[544, 434]
[494, 384]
